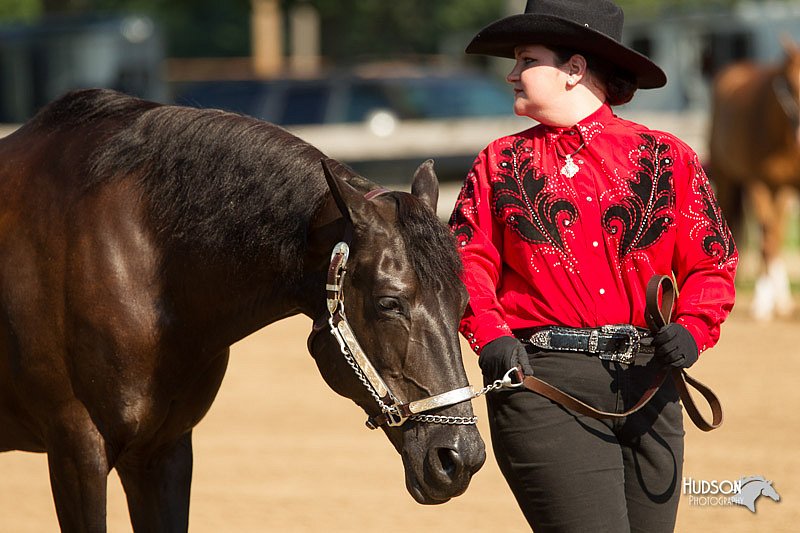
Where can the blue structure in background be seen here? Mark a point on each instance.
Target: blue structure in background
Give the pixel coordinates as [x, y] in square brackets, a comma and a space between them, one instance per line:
[693, 46]
[40, 62]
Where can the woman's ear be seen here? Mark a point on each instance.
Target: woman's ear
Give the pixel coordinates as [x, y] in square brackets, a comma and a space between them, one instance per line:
[577, 66]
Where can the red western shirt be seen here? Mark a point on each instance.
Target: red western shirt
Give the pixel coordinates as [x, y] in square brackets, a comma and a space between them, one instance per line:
[541, 248]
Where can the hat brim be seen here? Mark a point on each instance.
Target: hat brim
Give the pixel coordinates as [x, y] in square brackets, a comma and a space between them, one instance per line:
[501, 37]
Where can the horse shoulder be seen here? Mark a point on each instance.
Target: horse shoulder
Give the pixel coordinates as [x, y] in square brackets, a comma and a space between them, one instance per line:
[112, 278]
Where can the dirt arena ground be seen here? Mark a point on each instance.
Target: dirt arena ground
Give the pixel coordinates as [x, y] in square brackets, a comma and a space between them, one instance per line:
[280, 452]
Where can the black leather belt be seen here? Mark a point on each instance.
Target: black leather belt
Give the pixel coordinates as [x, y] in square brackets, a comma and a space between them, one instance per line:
[616, 342]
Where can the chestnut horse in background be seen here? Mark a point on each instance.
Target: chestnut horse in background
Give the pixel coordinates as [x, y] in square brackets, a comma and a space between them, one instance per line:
[139, 241]
[754, 153]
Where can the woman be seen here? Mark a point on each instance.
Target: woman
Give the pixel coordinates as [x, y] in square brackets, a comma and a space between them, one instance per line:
[560, 227]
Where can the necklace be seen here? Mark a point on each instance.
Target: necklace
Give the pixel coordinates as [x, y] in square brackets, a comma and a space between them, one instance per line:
[570, 168]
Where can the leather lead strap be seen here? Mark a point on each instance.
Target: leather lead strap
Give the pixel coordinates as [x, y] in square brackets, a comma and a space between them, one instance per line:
[660, 298]
[659, 301]
[557, 395]
[657, 317]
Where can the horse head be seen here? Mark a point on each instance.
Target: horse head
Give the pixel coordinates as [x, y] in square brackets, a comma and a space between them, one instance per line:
[769, 491]
[751, 488]
[395, 309]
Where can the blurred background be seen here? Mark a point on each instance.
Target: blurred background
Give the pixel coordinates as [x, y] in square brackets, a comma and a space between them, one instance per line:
[379, 85]
[383, 85]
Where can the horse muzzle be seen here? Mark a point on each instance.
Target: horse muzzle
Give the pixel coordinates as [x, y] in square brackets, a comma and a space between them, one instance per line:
[443, 468]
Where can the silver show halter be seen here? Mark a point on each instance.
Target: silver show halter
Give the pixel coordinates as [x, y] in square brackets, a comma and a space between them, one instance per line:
[393, 411]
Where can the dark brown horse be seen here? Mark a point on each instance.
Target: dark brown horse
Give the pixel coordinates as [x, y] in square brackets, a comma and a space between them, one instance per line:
[754, 153]
[139, 241]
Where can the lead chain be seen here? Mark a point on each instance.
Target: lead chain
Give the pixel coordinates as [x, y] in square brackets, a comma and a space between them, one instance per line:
[495, 385]
[433, 419]
[439, 419]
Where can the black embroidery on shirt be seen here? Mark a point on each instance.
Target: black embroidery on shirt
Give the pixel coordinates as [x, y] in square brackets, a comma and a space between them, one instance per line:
[458, 221]
[520, 199]
[642, 218]
[719, 240]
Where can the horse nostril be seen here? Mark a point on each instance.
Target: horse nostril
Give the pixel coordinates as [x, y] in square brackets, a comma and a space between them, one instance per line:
[450, 462]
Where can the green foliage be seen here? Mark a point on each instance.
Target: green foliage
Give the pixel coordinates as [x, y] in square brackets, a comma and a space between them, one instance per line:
[207, 27]
[351, 29]
[19, 10]
[648, 8]
[195, 28]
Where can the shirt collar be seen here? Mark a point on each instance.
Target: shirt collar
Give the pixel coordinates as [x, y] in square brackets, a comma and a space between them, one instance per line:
[582, 132]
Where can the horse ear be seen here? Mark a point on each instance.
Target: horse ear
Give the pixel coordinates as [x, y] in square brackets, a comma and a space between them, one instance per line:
[425, 185]
[788, 43]
[347, 199]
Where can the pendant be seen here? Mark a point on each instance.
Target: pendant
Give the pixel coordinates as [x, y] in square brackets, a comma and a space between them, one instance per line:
[570, 168]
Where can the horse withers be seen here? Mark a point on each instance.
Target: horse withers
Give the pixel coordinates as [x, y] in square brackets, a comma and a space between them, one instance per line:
[139, 241]
[754, 153]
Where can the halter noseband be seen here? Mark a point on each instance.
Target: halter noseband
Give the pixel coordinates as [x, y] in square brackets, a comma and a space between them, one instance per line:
[393, 411]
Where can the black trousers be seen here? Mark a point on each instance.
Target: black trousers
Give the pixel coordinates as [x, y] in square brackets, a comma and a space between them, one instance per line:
[571, 473]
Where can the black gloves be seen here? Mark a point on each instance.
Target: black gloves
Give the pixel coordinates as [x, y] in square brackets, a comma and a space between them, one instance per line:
[502, 354]
[675, 346]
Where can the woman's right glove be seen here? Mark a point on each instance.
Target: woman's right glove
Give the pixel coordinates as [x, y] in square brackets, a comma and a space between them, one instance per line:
[502, 354]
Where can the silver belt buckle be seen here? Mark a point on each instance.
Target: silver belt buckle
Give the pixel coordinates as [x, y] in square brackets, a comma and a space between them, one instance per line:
[541, 339]
[627, 356]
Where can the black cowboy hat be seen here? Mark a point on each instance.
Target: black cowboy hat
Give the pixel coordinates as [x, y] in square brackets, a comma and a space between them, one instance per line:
[594, 26]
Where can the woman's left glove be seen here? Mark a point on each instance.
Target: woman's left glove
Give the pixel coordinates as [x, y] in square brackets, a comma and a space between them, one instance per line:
[675, 346]
[502, 354]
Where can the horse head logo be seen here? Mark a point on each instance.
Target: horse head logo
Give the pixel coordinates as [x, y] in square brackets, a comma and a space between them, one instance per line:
[752, 488]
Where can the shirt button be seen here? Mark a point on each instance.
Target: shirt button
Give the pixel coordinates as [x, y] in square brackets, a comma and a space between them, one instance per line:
[602, 291]
[588, 198]
[595, 244]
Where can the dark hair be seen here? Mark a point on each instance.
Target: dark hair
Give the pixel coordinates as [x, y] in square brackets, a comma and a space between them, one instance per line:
[620, 85]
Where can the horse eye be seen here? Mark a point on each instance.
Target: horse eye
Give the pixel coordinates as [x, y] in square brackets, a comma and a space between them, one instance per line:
[388, 304]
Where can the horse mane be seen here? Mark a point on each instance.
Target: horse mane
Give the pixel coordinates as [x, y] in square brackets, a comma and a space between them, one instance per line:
[745, 480]
[227, 185]
[217, 183]
[430, 244]
[81, 107]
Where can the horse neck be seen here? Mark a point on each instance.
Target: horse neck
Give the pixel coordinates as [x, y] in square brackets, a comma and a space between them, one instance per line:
[220, 305]
[753, 487]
